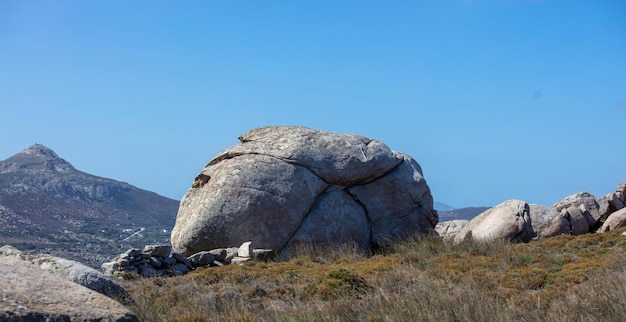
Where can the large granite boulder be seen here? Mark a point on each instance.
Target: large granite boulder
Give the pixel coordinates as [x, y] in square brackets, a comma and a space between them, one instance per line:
[508, 221]
[29, 293]
[284, 185]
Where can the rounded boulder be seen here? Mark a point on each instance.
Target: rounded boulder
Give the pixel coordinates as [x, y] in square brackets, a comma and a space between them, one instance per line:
[285, 185]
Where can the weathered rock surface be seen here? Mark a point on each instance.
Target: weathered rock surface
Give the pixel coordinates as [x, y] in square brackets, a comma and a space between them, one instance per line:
[203, 258]
[591, 208]
[72, 271]
[614, 201]
[547, 222]
[449, 229]
[578, 219]
[509, 221]
[615, 220]
[28, 293]
[283, 185]
[621, 192]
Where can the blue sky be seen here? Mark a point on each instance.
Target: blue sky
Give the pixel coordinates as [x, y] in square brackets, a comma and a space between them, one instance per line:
[495, 99]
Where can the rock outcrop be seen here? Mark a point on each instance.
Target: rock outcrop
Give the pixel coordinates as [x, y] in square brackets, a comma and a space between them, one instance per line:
[72, 271]
[286, 185]
[28, 293]
[582, 205]
[576, 214]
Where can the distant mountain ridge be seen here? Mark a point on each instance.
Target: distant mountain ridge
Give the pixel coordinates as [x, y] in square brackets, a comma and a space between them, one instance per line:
[447, 212]
[46, 203]
[466, 213]
[440, 206]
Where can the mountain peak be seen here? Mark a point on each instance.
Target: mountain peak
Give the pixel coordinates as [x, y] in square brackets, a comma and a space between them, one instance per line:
[46, 203]
[41, 151]
[35, 157]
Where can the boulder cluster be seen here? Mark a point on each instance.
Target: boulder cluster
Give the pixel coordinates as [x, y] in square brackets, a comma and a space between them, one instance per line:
[159, 260]
[518, 221]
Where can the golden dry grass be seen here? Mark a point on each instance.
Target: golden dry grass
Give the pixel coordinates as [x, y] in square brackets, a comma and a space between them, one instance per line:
[563, 278]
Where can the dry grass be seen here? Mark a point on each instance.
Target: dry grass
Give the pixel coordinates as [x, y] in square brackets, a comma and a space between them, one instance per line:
[564, 278]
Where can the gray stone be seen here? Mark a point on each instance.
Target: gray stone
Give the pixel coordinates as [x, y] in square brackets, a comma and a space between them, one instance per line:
[322, 225]
[618, 204]
[342, 159]
[169, 260]
[72, 271]
[509, 221]
[245, 250]
[8, 250]
[83, 275]
[273, 186]
[156, 262]
[200, 259]
[591, 205]
[231, 252]
[398, 204]
[240, 260]
[578, 221]
[133, 252]
[110, 268]
[180, 269]
[131, 269]
[621, 192]
[277, 212]
[263, 255]
[219, 253]
[449, 229]
[123, 262]
[219, 263]
[29, 293]
[182, 259]
[157, 250]
[547, 222]
[615, 220]
[614, 201]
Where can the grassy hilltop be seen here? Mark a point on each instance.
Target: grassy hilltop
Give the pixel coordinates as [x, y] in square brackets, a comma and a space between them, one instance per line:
[564, 278]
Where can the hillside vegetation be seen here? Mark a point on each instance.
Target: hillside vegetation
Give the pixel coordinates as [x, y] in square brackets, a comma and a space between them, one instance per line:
[564, 278]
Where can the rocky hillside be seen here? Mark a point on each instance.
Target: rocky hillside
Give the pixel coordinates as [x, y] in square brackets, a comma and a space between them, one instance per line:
[47, 204]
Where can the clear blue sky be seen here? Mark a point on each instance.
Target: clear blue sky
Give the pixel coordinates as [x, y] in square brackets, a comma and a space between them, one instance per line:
[495, 99]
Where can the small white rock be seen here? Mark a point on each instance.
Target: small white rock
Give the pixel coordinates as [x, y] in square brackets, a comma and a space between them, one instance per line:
[240, 260]
[245, 250]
